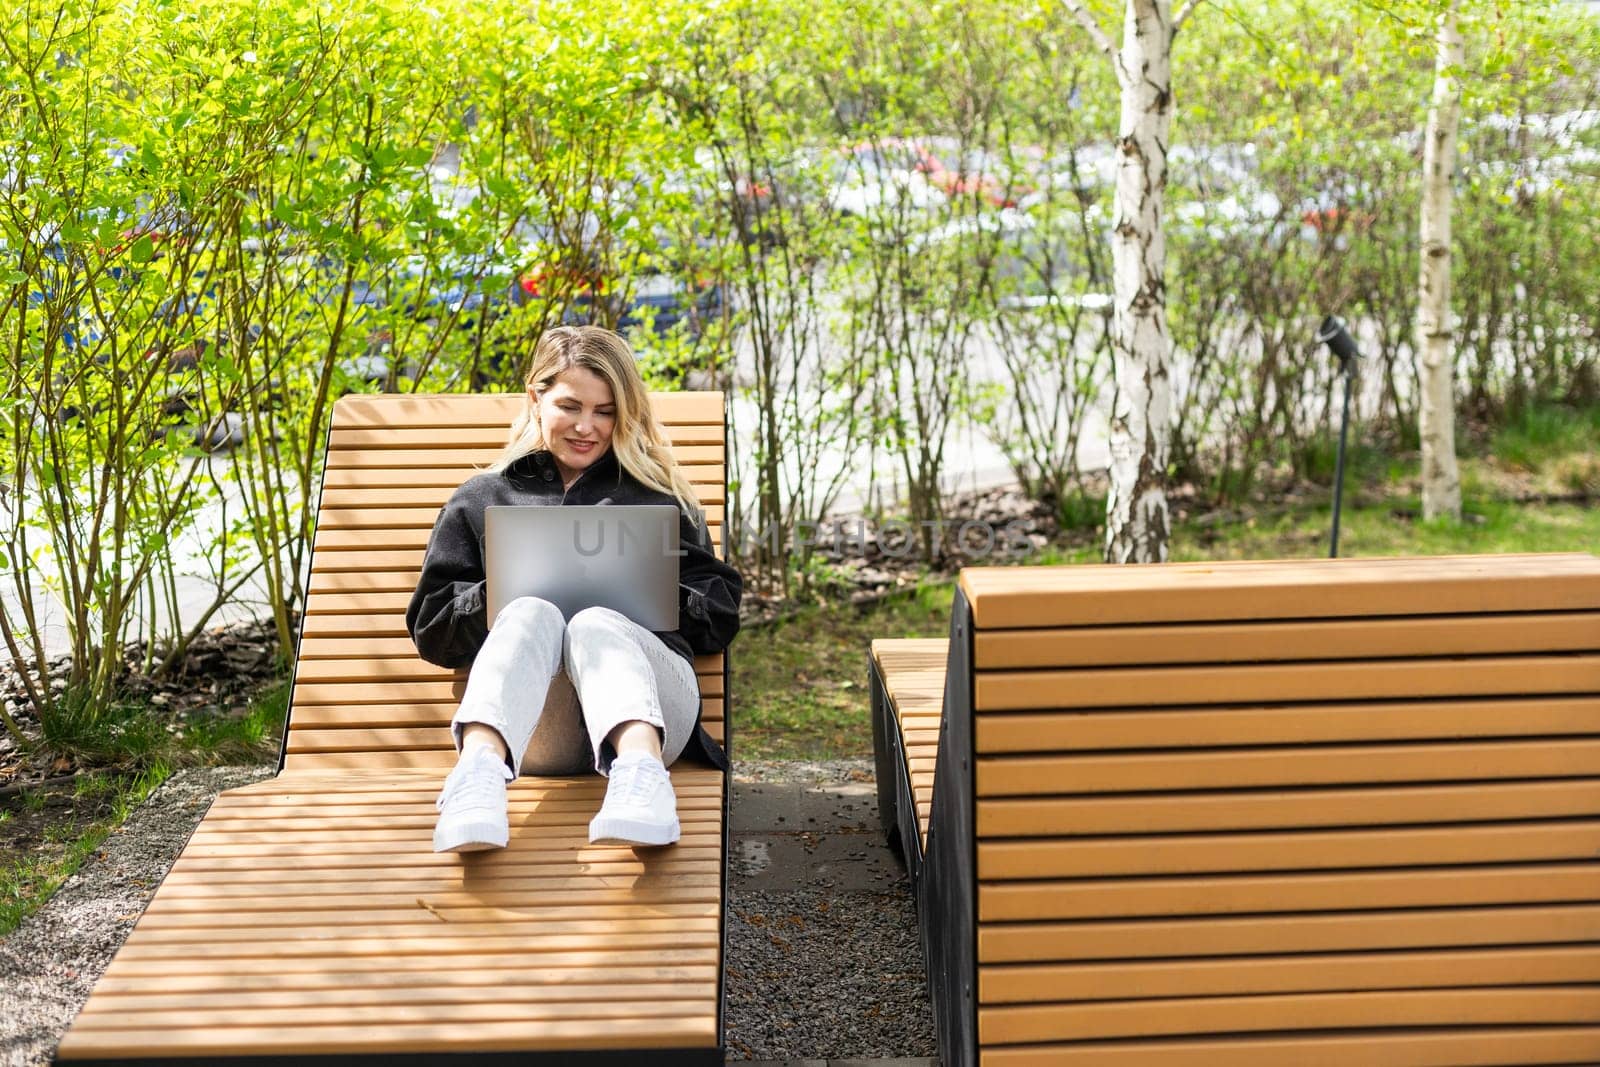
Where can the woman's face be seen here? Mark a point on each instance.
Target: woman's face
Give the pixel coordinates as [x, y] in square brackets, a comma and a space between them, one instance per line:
[578, 414]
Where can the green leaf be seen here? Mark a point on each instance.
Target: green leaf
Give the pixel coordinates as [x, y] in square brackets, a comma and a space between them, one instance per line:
[500, 187]
[143, 250]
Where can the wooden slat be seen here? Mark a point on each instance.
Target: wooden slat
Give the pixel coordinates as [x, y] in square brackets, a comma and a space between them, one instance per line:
[556, 827]
[148, 948]
[1328, 639]
[373, 539]
[424, 931]
[385, 637]
[642, 1004]
[444, 906]
[357, 739]
[1279, 809]
[435, 759]
[365, 581]
[1260, 767]
[413, 669]
[1435, 1047]
[1039, 597]
[524, 796]
[1343, 680]
[1515, 842]
[350, 692]
[470, 458]
[386, 784]
[310, 1006]
[1030, 983]
[358, 603]
[330, 584]
[1277, 935]
[397, 438]
[357, 518]
[450, 476]
[382, 825]
[685, 858]
[643, 882]
[540, 843]
[1020, 1024]
[489, 961]
[372, 716]
[490, 409]
[356, 986]
[384, 904]
[1221, 726]
[397, 1037]
[412, 497]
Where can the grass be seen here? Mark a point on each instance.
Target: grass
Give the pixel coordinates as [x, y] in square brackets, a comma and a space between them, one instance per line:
[130, 736]
[252, 737]
[98, 804]
[800, 684]
[1538, 435]
[1394, 528]
[1556, 449]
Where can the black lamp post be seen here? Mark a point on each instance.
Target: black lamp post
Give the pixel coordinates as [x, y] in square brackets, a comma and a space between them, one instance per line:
[1332, 333]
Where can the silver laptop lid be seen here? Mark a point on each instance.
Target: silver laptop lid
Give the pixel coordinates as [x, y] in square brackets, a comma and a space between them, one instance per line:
[620, 556]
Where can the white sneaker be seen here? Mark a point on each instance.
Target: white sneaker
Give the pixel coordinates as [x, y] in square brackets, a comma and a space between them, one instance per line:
[472, 805]
[640, 806]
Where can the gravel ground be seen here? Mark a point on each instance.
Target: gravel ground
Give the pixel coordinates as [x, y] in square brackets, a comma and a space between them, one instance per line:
[817, 977]
[824, 959]
[818, 771]
[812, 972]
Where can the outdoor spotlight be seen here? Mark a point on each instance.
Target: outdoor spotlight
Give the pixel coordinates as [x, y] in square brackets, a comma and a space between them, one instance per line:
[1333, 333]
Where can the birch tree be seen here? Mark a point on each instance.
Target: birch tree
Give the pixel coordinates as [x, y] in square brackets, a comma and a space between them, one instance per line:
[1137, 522]
[1441, 481]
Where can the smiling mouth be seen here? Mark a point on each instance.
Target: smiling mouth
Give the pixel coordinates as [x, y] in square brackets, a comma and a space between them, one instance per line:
[581, 446]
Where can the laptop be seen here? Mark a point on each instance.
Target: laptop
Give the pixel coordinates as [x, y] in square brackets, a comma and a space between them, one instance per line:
[620, 556]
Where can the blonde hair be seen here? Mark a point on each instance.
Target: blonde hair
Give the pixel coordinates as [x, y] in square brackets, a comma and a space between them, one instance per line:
[639, 440]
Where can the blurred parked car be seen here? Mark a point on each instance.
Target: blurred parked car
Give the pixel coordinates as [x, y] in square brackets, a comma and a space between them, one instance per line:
[976, 172]
[662, 299]
[867, 178]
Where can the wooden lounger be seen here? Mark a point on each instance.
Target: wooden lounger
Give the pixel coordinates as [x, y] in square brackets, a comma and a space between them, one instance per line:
[309, 920]
[1322, 812]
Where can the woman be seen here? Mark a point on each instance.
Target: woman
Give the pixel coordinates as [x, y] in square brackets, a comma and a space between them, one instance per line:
[599, 690]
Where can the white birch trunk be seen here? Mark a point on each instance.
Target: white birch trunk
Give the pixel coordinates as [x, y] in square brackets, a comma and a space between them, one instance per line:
[1441, 482]
[1137, 525]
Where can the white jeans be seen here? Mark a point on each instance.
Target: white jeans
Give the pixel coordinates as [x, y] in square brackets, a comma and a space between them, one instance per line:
[554, 689]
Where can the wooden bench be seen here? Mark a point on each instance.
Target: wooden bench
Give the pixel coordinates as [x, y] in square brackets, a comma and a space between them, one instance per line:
[1324, 812]
[308, 919]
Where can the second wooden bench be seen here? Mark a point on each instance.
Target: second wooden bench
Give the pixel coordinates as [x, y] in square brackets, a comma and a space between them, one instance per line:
[1256, 813]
